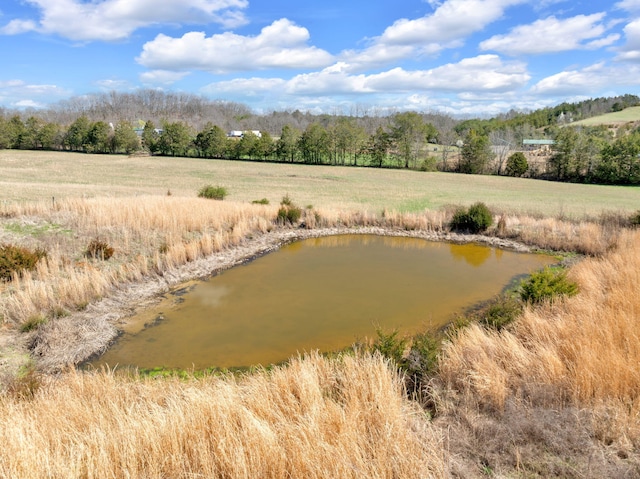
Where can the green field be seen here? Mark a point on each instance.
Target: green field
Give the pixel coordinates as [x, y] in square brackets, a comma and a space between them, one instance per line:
[28, 175]
[627, 115]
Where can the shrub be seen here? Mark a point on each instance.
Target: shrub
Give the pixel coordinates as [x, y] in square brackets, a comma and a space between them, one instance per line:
[286, 201]
[500, 312]
[213, 192]
[263, 201]
[15, 259]
[288, 213]
[474, 220]
[517, 164]
[634, 220]
[98, 249]
[547, 284]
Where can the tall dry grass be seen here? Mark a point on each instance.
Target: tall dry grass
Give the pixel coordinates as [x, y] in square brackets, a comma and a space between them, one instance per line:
[582, 351]
[153, 235]
[150, 235]
[318, 418]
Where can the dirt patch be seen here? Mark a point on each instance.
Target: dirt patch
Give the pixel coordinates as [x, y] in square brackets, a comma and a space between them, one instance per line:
[70, 340]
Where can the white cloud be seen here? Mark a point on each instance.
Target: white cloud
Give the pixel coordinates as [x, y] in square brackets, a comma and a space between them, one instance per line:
[282, 44]
[551, 35]
[246, 86]
[587, 81]
[15, 27]
[111, 20]
[629, 5]
[485, 73]
[111, 84]
[452, 20]
[445, 28]
[161, 77]
[631, 50]
[20, 94]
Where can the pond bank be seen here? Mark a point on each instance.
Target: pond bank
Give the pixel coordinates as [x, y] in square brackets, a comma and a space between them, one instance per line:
[75, 338]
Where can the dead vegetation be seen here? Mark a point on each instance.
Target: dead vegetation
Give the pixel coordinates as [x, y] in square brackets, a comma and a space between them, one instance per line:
[553, 395]
[313, 418]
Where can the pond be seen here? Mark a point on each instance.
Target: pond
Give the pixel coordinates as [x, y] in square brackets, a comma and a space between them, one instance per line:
[321, 293]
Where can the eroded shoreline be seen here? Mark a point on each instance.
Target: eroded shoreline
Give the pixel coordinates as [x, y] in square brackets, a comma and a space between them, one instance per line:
[73, 339]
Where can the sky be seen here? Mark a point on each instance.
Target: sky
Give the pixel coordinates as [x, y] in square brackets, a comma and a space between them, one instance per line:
[461, 57]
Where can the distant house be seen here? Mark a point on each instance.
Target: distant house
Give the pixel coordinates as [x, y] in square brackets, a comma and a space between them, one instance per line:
[240, 134]
[531, 144]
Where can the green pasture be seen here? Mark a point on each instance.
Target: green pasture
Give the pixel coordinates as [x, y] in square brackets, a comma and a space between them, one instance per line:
[627, 115]
[28, 175]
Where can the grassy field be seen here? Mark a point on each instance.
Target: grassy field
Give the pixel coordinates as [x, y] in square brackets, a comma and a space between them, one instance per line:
[627, 115]
[28, 175]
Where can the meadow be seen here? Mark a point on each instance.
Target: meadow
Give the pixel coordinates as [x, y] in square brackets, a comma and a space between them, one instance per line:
[28, 176]
[552, 395]
[628, 115]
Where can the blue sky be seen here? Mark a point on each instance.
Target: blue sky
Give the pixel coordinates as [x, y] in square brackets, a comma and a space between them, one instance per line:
[468, 57]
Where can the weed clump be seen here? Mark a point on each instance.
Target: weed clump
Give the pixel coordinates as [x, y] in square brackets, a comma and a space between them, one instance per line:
[476, 219]
[634, 220]
[33, 323]
[98, 249]
[415, 356]
[15, 259]
[547, 285]
[289, 213]
[213, 192]
[263, 201]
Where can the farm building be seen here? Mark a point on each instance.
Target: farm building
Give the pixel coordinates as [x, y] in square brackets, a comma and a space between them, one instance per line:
[531, 144]
[240, 134]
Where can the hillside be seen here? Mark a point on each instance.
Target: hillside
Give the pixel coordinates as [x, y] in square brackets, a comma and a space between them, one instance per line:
[617, 118]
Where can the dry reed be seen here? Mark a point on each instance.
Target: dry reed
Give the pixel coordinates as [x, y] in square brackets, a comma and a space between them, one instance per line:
[314, 418]
[583, 351]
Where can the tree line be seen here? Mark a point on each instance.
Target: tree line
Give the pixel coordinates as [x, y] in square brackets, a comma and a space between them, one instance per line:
[409, 140]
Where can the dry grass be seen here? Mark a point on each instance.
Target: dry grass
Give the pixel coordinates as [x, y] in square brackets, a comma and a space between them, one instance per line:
[313, 418]
[150, 235]
[153, 235]
[583, 352]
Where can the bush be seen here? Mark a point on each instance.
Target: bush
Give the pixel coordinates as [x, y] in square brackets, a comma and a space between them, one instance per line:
[634, 219]
[15, 259]
[213, 192]
[98, 249]
[500, 312]
[288, 213]
[263, 201]
[547, 284]
[474, 220]
[517, 164]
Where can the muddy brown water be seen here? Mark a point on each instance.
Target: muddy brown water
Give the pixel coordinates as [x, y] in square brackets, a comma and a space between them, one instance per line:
[321, 293]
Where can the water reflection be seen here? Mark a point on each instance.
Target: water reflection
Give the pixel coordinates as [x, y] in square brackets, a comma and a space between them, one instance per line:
[474, 255]
[322, 293]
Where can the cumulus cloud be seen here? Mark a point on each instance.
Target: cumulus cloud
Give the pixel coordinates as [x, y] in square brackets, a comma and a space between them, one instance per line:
[281, 45]
[487, 73]
[551, 35]
[20, 94]
[112, 20]
[452, 20]
[484, 72]
[446, 27]
[629, 5]
[587, 81]
[631, 50]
